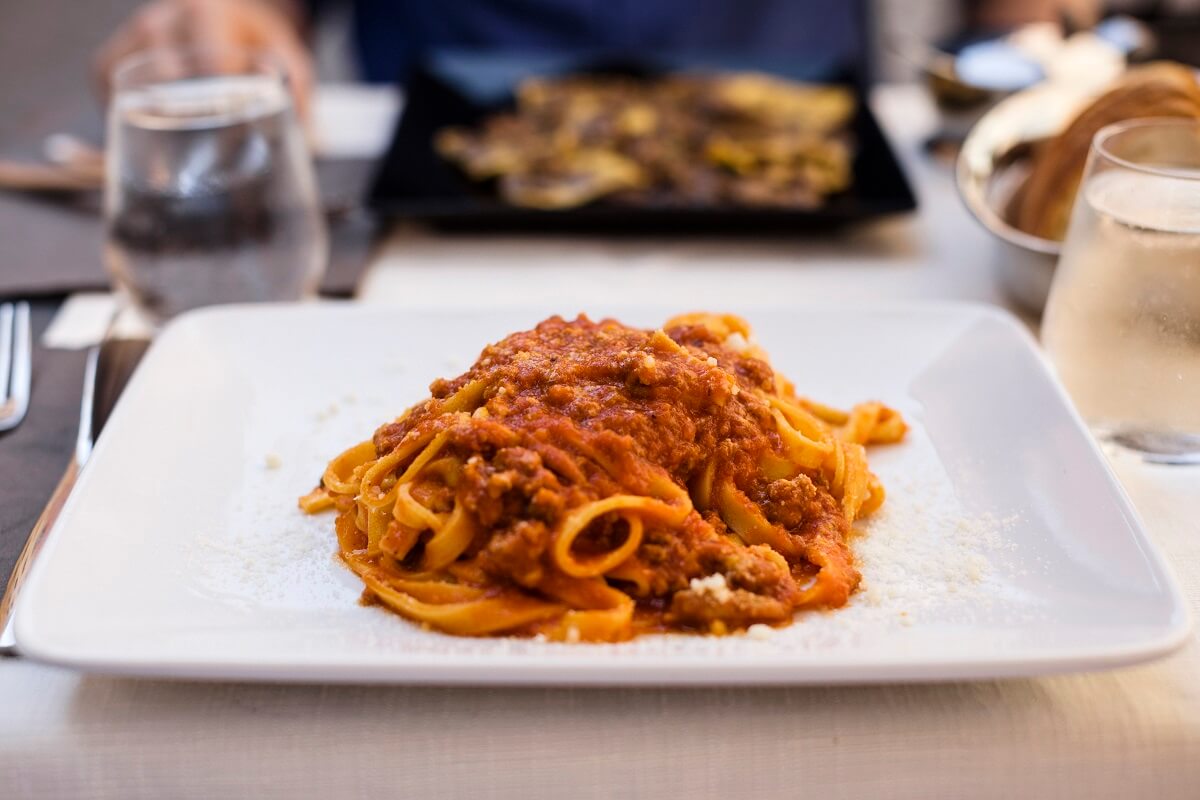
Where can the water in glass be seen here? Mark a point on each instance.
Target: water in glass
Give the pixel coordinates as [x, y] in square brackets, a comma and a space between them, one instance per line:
[1122, 324]
[210, 196]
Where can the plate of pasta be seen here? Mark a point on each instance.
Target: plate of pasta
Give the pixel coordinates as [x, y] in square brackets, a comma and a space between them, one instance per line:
[627, 496]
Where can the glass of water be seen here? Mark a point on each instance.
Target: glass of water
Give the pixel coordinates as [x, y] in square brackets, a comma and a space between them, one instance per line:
[210, 195]
[1122, 324]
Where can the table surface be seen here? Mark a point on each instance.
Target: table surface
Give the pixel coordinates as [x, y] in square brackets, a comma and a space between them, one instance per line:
[1098, 735]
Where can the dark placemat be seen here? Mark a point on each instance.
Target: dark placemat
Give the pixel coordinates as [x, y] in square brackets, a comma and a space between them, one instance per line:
[34, 455]
[44, 448]
[50, 247]
[53, 245]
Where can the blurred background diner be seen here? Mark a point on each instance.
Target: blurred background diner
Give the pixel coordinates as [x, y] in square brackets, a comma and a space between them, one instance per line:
[968, 53]
[378, 40]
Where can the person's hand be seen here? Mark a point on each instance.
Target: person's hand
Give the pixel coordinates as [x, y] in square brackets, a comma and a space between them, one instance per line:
[267, 26]
[1012, 13]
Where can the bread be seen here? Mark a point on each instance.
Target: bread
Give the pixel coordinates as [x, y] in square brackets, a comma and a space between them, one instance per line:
[1159, 89]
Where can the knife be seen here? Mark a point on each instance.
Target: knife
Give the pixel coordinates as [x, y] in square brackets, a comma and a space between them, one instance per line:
[107, 370]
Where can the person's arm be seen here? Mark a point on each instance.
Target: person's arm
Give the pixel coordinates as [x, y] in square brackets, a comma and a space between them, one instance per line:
[999, 14]
[275, 27]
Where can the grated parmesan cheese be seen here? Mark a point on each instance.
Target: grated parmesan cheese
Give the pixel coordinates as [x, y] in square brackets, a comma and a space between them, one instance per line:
[760, 632]
[736, 342]
[713, 586]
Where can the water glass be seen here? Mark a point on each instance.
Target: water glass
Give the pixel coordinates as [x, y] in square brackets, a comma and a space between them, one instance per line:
[210, 195]
[1122, 325]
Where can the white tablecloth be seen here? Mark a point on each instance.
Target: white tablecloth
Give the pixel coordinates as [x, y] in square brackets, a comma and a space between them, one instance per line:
[1134, 732]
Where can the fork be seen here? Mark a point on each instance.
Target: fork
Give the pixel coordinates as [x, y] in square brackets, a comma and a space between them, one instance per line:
[16, 355]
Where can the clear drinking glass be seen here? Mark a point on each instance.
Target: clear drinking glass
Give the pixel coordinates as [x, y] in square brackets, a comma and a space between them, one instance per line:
[1122, 324]
[210, 195]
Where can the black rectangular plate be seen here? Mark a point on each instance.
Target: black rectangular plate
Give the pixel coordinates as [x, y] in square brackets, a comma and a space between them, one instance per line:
[414, 182]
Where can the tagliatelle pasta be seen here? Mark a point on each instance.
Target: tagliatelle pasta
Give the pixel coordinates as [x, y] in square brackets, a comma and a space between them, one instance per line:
[589, 481]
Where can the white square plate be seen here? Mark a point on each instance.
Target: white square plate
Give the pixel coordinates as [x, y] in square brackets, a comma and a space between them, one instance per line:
[1005, 546]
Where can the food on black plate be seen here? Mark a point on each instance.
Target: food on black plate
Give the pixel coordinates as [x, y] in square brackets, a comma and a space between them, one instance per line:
[684, 139]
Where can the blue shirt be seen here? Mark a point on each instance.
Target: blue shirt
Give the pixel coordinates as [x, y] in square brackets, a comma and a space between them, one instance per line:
[393, 34]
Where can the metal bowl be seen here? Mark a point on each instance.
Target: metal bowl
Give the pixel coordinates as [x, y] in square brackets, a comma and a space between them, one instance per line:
[993, 165]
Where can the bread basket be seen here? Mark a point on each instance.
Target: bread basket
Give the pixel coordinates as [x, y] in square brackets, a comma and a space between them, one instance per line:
[992, 166]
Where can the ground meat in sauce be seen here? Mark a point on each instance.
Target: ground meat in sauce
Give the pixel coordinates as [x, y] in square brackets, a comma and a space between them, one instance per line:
[579, 410]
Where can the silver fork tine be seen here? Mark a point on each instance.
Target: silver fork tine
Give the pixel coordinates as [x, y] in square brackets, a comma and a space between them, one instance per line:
[22, 373]
[16, 355]
[6, 350]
